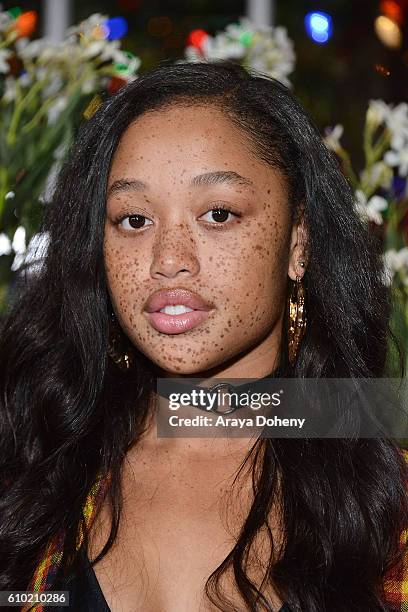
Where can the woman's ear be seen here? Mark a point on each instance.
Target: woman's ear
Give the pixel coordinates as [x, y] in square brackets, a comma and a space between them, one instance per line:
[299, 246]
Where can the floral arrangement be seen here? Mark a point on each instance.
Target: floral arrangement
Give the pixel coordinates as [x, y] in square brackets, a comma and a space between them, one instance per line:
[46, 89]
[263, 48]
[381, 194]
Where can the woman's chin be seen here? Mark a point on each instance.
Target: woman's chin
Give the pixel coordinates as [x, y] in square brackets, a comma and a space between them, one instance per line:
[180, 370]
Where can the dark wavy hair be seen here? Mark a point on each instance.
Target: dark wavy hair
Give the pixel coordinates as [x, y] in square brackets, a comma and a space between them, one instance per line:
[67, 413]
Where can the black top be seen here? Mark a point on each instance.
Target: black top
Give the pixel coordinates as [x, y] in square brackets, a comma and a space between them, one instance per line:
[85, 593]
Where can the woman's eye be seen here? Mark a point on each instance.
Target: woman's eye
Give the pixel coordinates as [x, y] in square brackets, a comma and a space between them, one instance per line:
[133, 222]
[219, 215]
[215, 216]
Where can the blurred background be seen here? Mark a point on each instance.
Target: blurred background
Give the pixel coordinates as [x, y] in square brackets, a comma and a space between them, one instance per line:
[346, 61]
[365, 55]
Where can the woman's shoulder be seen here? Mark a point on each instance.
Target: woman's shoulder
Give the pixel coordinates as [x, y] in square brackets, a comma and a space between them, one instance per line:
[396, 581]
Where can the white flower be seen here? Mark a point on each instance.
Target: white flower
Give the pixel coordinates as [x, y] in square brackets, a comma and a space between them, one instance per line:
[332, 137]
[395, 262]
[111, 51]
[17, 262]
[5, 244]
[25, 79]
[94, 48]
[56, 109]
[41, 49]
[53, 86]
[86, 26]
[243, 25]
[377, 112]
[221, 47]
[60, 151]
[395, 118]
[397, 123]
[374, 206]
[398, 158]
[272, 52]
[21, 43]
[89, 85]
[4, 66]
[262, 48]
[18, 244]
[377, 175]
[10, 92]
[19, 247]
[5, 20]
[10, 86]
[30, 49]
[370, 211]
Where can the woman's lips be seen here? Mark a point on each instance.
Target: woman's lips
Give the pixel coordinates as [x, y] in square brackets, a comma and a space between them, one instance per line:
[176, 324]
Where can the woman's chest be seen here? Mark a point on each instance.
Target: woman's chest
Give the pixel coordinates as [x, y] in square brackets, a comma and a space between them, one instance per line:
[178, 524]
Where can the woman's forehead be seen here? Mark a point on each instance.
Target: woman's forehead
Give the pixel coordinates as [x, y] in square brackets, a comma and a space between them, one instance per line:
[183, 142]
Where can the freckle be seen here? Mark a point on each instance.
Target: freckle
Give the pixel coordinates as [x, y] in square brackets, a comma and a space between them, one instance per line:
[269, 191]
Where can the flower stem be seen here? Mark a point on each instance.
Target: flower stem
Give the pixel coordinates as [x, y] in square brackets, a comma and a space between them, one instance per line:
[18, 111]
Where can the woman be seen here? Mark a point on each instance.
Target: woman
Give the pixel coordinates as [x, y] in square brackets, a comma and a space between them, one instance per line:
[211, 182]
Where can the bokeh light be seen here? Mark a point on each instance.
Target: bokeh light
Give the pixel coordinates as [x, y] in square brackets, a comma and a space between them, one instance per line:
[15, 11]
[246, 39]
[383, 70]
[319, 26]
[388, 32]
[26, 23]
[392, 9]
[196, 38]
[117, 27]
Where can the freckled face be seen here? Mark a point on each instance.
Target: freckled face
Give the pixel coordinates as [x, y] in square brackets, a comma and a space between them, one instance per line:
[173, 235]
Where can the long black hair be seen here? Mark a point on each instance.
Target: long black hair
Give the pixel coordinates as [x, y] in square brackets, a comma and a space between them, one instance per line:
[68, 413]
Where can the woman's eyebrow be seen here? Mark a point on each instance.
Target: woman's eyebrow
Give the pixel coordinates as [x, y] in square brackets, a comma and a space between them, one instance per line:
[208, 178]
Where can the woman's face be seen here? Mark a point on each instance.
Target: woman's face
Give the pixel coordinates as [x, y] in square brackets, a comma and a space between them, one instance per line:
[171, 172]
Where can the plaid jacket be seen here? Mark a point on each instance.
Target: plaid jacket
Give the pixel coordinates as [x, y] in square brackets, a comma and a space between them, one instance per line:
[396, 582]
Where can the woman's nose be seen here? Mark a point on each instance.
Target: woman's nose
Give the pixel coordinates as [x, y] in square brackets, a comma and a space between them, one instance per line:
[174, 252]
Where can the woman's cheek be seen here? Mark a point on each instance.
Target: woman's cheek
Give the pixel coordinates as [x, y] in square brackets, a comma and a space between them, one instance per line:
[263, 280]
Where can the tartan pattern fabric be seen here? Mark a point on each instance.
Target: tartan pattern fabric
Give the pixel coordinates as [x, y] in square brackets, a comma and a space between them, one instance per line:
[48, 567]
[395, 583]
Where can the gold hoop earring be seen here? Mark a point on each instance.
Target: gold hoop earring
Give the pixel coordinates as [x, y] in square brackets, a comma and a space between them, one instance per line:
[297, 318]
[115, 346]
